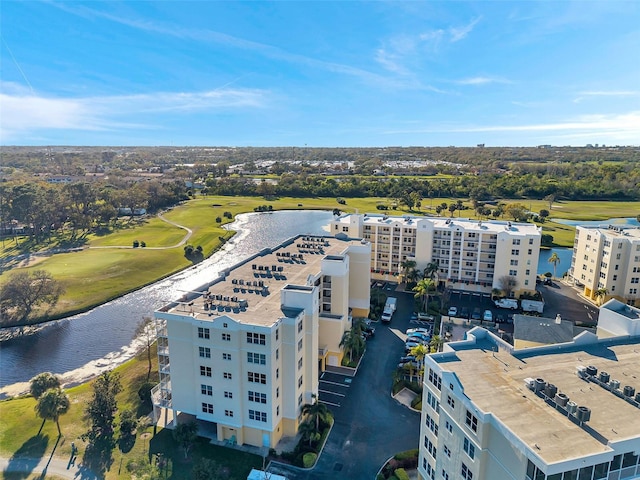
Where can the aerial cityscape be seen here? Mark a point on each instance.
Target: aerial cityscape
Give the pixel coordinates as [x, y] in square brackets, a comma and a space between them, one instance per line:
[320, 240]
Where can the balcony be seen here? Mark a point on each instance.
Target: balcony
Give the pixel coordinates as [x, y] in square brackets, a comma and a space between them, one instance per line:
[161, 395]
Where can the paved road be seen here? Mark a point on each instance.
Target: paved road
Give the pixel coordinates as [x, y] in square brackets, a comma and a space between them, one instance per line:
[370, 426]
[564, 300]
[55, 466]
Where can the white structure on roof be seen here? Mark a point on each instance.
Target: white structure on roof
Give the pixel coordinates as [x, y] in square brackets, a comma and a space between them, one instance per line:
[560, 412]
[472, 255]
[244, 352]
[616, 319]
[607, 258]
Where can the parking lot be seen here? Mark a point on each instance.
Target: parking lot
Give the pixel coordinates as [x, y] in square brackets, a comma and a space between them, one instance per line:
[333, 388]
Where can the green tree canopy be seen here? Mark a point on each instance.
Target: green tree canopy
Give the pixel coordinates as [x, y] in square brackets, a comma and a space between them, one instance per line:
[51, 404]
[43, 382]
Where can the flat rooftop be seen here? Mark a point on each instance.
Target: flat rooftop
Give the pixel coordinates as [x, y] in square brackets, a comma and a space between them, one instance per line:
[444, 223]
[251, 290]
[495, 382]
[632, 233]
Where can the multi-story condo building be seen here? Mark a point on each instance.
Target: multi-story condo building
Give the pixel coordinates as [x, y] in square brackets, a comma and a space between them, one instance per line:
[244, 352]
[472, 255]
[561, 412]
[607, 258]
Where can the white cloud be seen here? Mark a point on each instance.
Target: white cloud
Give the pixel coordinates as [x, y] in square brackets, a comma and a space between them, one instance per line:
[459, 33]
[481, 81]
[610, 93]
[24, 112]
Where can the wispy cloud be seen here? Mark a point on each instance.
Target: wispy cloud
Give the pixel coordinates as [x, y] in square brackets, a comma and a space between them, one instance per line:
[27, 112]
[458, 33]
[623, 127]
[606, 93]
[481, 80]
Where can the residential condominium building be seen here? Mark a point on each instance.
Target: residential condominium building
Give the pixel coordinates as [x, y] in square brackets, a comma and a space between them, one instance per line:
[472, 255]
[243, 353]
[561, 412]
[607, 259]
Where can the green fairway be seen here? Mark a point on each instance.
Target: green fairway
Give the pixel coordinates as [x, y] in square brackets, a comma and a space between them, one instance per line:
[154, 232]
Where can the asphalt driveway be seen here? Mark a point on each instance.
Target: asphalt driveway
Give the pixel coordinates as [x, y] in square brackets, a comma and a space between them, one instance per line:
[370, 426]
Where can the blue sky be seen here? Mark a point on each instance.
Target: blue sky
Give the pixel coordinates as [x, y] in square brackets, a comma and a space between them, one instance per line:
[346, 73]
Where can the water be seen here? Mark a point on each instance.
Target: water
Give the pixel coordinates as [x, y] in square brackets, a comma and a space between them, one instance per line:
[565, 261]
[81, 346]
[619, 222]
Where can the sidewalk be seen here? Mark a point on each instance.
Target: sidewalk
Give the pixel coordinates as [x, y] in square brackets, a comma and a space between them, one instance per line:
[48, 465]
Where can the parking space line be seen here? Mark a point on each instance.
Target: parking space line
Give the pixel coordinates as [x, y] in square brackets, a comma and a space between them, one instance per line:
[334, 383]
[332, 393]
[329, 403]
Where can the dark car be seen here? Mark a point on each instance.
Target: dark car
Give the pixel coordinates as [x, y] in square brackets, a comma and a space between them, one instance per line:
[477, 314]
[368, 332]
[548, 281]
[464, 313]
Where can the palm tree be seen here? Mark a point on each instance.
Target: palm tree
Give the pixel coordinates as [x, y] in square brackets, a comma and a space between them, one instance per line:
[555, 260]
[406, 267]
[308, 431]
[353, 343]
[423, 290]
[317, 412]
[43, 382]
[420, 351]
[431, 270]
[51, 404]
[436, 343]
[600, 294]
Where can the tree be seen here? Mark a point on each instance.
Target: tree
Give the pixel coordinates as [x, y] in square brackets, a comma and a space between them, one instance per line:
[550, 198]
[544, 213]
[495, 293]
[185, 434]
[51, 404]
[423, 289]
[507, 283]
[24, 291]
[43, 382]
[317, 412]
[309, 432]
[600, 294]
[103, 406]
[555, 260]
[431, 270]
[452, 208]
[407, 266]
[353, 343]
[436, 343]
[517, 211]
[146, 332]
[419, 351]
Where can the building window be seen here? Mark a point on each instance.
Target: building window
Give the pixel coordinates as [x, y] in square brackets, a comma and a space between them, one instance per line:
[277, 392]
[513, 273]
[256, 415]
[259, 358]
[277, 373]
[299, 344]
[515, 252]
[226, 356]
[513, 263]
[466, 473]
[447, 451]
[228, 394]
[277, 353]
[445, 475]
[300, 400]
[451, 401]
[206, 390]
[300, 363]
[469, 448]
[277, 334]
[203, 333]
[257, 377]
[257, 397]
[448, 426]
[257, 338]
[300, 381]
[227, 376]
[228, 413]
[207, 408]
[205, 371]
[226, 337]
[205, 352]
[516, 241]
[471, 421]
[299, 326]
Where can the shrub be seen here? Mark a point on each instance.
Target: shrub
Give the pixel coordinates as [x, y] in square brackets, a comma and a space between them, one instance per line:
[416, 403]
[401, 474]
[228, 215]
[218, 219]
[341, 201]
[143, 244]
[309, 459]
[408, 459]
[144, 393]
[380, 476]
[382, 207]
[136, 244]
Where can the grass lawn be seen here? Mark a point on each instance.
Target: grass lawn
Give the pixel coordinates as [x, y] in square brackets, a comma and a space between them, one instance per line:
[20, 425]
[153, 231]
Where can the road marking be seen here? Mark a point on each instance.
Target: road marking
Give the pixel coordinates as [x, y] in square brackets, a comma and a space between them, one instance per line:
[334, 383]
[332, 393]
[329, 403]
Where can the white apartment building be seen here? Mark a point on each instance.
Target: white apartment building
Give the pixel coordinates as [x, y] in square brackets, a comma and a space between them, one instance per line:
[560, 412]
[472, 255]
[607, 258]
[243, 353]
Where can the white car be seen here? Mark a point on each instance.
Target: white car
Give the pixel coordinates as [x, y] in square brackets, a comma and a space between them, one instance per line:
[453, 311]
[425, 331]
[488, 316]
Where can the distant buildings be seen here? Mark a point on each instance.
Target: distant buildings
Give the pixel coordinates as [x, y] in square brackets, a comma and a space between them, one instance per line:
[567, 411]
[243, 354]
[472, 255]
[606, 263]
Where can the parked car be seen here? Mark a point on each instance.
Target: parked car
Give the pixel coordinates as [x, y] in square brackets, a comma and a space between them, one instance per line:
[453, 311]
[487, 316]
[413, 363]
[369, 330]
[414, 316]
[407, 358]
[547, 281]
[477, 314]
[464, 312]
[409, 344]
[426, 331]
[418, 335]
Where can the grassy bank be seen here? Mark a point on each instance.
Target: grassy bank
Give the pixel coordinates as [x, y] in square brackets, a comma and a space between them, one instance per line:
[19, 433]
[96, 275]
